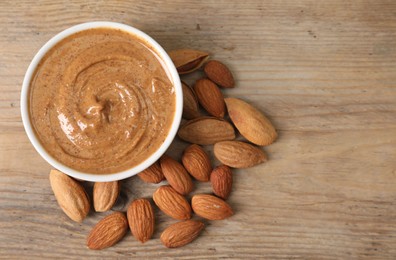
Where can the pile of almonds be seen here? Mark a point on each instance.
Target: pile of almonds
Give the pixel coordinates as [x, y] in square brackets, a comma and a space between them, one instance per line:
[210, 129]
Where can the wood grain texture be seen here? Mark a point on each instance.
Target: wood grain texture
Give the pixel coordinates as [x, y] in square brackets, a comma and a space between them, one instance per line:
[323, 71]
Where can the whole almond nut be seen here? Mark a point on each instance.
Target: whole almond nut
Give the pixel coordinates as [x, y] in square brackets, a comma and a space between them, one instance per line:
[206, 130]
[190, 103]
[210, 97]
[219, 73]
[176, 175]
[70, 195]
[238, 154]
[105, 195]
[210, 207]
[141, 219]
[108, 231]
[181, 233]
[250, 122]
[152, 174]
[221, 179]
[172, 203]
[197, 162]
[188, 60]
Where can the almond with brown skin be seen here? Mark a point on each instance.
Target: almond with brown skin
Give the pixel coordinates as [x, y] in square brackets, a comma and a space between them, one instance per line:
[206, 130]
[188, 60]
[181, 233]
[197, 162]
[238, 154]
[172, 203]
[152, 174]
[210, 207]
[221, 179]
[70, 195]
[190, 103]
[105, 195]
[219, 73]
[176, 175]
[141, 219]
[210, 97]
[250, 122]
[108, 231]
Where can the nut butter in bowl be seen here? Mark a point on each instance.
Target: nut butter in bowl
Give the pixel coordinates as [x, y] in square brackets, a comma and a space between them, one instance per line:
[101, 101]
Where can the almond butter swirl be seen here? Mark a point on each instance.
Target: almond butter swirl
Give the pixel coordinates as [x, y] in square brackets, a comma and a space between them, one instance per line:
[101, 101]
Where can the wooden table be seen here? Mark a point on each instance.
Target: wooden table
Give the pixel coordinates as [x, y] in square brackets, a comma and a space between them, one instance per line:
[323, 71]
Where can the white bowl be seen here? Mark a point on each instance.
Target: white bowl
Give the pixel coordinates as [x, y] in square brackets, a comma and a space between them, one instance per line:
[89, 176]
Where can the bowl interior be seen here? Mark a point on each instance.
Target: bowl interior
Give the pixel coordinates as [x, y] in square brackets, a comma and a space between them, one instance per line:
[89, 176]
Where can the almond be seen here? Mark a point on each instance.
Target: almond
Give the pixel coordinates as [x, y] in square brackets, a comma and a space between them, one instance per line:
[210, 97]
[187, 60]
[197, 162]
[190, 103]
[108, 231]
[210, 207]
[219, 73]
[172, 203]
[176, 175]
[105, 195]
[221, 179]
[141, 219]
[70, 195]
[250, 122]
[206, 130]
[238, 154]
[181, 233]
[152, 174]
